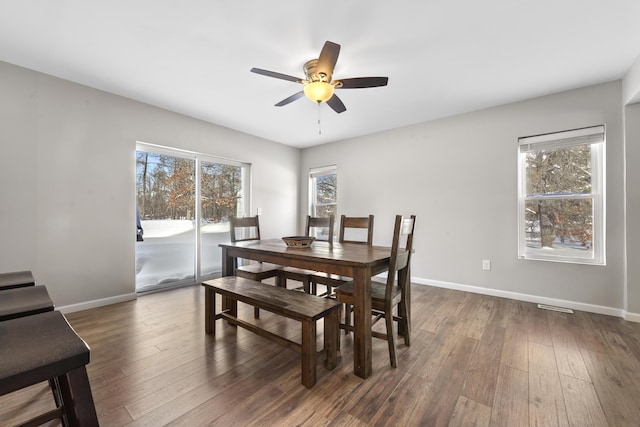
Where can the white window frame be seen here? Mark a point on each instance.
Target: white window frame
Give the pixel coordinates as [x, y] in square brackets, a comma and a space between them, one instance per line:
[314, 174]
[595, 136]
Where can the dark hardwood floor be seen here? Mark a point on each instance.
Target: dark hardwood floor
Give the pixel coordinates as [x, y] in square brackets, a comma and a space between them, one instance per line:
[474, 361]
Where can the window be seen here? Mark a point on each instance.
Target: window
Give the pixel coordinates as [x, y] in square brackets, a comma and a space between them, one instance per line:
[560, 196]
[323, 184]
[323, 199]
[184, 200]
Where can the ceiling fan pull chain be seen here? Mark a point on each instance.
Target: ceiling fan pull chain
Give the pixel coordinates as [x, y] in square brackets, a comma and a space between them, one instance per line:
[319, 125]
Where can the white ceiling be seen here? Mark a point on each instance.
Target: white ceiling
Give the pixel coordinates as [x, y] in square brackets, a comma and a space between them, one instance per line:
[442, 57]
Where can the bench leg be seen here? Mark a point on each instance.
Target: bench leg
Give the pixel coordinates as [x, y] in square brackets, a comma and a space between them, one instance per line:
[332, 338]
[55, 390]
[77, 400]
[230, 306]
[308, 353]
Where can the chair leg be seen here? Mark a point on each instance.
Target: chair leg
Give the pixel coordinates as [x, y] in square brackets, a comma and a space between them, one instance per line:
[339, 314]
[256, 312]
[347, 318]
[329, 290]
[391, 338]
[405, 321]
[308, 286]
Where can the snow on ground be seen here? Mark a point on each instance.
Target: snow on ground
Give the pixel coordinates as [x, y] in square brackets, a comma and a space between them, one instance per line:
[567, 249]
[166, 227]
[167, 254]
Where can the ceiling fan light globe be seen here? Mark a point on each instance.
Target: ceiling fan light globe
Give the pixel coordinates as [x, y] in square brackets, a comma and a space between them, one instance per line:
[318, 91]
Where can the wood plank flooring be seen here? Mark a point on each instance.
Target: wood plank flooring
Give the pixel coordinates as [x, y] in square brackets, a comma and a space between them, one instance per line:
[475, 360]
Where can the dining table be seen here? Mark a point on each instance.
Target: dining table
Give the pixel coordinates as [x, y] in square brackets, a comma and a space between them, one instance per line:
[357, 261]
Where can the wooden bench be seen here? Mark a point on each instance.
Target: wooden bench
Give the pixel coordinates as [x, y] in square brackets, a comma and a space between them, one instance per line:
[19, 302]
[43, 347]
[16, 279]
[288, 303]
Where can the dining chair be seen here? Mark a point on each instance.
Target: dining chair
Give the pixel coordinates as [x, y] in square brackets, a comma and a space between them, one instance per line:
[248, 229]
[322, 229]
[361, 227]
[384, 296]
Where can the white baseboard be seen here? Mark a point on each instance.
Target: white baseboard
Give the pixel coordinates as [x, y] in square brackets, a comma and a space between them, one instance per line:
[611, 311]
[591, 308]
[631, 317]
[96, 303]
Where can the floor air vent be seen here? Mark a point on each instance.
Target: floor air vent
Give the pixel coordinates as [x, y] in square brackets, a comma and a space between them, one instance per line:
[554, 308]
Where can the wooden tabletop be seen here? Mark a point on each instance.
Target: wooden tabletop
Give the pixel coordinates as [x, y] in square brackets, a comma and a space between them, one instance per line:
[321, 256]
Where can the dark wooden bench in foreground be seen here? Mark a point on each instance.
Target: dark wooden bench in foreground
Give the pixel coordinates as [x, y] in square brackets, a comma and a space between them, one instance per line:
[43, 347]
[288, 303]
[20, 302]
[16, 279]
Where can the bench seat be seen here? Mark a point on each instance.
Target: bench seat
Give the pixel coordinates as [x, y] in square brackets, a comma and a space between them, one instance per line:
[287, 303]
[19, 302]
[43, 347]
[16, 279]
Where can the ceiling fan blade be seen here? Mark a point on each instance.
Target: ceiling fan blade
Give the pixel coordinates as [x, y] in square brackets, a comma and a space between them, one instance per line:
[363, 82]
[336, 104]
[328, 58]
[290, 99]
[275, 75]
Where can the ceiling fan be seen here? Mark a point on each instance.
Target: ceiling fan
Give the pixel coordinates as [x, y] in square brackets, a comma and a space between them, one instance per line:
[318, 84]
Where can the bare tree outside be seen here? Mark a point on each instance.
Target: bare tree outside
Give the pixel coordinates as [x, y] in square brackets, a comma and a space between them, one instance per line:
[326, 195]
[552, 176]
[165, 188]
[221, 191]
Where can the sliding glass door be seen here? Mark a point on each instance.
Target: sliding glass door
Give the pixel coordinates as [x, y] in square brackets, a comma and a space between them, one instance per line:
[184, 202]
[222, 196]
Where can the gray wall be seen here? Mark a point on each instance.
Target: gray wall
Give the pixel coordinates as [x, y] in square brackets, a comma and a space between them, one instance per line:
[67, 185]
[632, 139]
[459, 174]
[67, 181]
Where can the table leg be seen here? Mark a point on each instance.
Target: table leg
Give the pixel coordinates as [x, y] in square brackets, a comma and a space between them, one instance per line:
[362, 362]
[227, 263]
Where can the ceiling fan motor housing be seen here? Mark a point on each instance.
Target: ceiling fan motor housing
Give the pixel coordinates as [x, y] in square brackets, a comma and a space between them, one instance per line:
[313, 75]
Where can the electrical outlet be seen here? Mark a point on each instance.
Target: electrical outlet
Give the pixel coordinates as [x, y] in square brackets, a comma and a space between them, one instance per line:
[486, 264]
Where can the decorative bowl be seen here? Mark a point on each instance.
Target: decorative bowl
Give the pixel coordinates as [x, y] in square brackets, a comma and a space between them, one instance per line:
[298, 241]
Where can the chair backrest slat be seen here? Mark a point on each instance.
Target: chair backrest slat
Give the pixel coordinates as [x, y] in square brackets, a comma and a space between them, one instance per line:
[359, 223]
[320, 223]
[249, 226]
